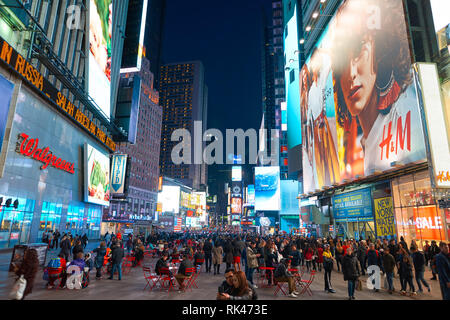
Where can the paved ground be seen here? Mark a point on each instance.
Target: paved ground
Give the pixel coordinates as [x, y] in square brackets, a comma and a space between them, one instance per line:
[131, 287]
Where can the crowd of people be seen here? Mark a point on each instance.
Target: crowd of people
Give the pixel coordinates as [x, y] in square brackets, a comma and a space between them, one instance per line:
[244, 254]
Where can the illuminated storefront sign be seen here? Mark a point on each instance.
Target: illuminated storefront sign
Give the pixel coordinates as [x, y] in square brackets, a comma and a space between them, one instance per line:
[31, 75]
[30, 148]
[428, 223]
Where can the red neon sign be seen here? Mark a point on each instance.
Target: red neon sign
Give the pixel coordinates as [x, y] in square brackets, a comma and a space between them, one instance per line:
[29, 148]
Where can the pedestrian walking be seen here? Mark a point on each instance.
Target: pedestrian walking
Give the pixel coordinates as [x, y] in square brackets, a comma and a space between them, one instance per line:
[28, 269]
[406, 274]
[207, 249]
[252, 261]
[419, 268]
[351, 272]
[443, 270]
[389, 266]
[100, 259]
[328, 267]
[217, 255]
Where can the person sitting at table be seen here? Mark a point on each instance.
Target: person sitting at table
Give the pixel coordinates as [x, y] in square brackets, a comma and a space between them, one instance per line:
[183, 274]
[138, 252]
[162, 263]
[175, 255]
[282, 274]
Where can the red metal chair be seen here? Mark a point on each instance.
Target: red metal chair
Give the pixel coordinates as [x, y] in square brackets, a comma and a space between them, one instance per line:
[306, 284]
[151, 278]
[194, 278]
[199, 262]
[166, 280]
[265, 273]
[192, 272]
[282, 287]
[127, 264]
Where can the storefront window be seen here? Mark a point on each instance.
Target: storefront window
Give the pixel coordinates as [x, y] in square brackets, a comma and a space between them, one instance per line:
[75, 216]
[417, 215]
[50, 218]
[15, 223]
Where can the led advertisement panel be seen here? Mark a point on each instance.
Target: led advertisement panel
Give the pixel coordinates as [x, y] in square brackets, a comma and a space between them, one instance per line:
[267, 188]
[236, 205]
[292, 84]
[289, 194]
[133, 46]
[169, 197]
[251, 195]
[100, 30]
[6, 90]
[353, 206]
[433, 106]
[236, 173]
[359, 97]
[96, 173]
[119, 167]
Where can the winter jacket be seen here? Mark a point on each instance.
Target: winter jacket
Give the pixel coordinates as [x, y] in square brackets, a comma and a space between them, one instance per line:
[100, 258]
[228, 249]
[252, 260]
[117, 255]
[418, 260]
[281, 271]
[217, 254]
[388, 262]
[350, 267]
[372, 257]
[406, 269]
[296, 257]
[207, 248]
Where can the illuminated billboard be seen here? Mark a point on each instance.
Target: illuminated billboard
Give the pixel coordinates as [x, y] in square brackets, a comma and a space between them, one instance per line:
[236, 173]
[360, 120]
[169, 197]
[236, 205]
[96, 176]
[291, 51]
[119, 167]
[251, 195]
[6, 91]
[100, 30]
[267, 188]
[133, 46]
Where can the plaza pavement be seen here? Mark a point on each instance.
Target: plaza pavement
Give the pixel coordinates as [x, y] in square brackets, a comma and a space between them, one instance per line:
[131, 287]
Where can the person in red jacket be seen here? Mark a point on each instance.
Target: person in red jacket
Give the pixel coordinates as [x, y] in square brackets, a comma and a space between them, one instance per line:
[345, 246]
[319, 258]
[308, 257]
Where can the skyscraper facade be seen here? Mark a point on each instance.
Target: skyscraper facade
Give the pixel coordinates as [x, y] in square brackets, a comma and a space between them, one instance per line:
[183, 97]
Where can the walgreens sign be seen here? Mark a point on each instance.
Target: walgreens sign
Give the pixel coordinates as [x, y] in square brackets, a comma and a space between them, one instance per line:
[30, 148]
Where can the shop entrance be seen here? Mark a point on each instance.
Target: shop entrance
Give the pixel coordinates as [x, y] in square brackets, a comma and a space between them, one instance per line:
[356, 229]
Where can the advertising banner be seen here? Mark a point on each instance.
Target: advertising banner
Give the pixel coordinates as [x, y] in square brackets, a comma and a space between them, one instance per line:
[100, 32]
[251, 195]
[359, 97]
[353, 206]
[119, 167]
[6, 90]
[236, 173]
[97, 179]
[236, 189]
[236, 205]
[169, 197]
[267, 188]
[384, 217]
[265, 221]
[428, 223]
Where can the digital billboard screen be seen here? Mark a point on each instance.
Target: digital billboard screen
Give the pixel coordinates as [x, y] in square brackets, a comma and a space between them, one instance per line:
[251, 194]
[267, 188]
[359, 97]
[169, 197]
[100, 31]
[119, 167]
[97, 178]
[6, 90]
[236, 205]
[236, 173]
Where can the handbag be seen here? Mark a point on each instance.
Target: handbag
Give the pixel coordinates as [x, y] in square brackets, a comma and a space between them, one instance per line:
[359, 285]
[18, 289]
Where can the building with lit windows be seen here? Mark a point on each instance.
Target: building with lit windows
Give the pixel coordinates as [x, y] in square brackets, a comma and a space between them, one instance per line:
[53, 131]
[184, 100]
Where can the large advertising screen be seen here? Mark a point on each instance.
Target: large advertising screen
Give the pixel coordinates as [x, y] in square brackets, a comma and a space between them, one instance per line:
[291, 50]
[97, 179]
[236, 205]
[6, 90]
[251, 195]
[353, 206]
[169, 197]
[100, 31]
[236, 173]
[267, 188]
[359, 97]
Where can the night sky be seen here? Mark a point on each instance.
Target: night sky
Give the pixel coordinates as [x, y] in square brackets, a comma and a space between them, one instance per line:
[227, 37]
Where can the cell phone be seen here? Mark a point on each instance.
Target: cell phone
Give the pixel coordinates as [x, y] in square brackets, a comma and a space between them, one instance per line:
[221, 290]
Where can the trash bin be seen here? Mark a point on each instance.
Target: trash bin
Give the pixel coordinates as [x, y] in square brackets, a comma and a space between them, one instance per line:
[17, 255]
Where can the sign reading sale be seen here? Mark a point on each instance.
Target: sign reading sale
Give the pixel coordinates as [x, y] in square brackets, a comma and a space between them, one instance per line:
[428, 223]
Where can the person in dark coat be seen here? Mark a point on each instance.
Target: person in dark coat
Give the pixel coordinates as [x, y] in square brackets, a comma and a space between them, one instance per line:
[406, 274]
[389, 266]
[419, 268]
[207, 249]
[99, 259]
[443, 270]
[433, 252]
[78, 247]
[350, 269]
[228, 250]
[28, 269]
[117, 254]
[84, 240]
[65, 247]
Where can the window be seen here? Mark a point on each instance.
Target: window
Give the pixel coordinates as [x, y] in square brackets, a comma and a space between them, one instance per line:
[292, 76]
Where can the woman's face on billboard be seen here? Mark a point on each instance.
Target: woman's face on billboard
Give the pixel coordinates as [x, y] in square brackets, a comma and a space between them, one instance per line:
[358, 78]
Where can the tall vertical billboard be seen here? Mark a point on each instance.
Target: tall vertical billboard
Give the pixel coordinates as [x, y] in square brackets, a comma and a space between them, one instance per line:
[96, 176]
[119, 167]
[100, 33]
[359, 97]
[267, 188]
[6, 91]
